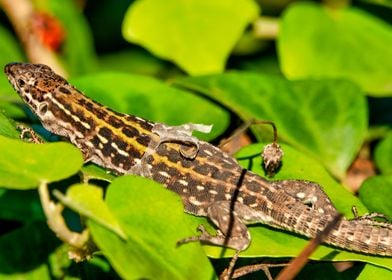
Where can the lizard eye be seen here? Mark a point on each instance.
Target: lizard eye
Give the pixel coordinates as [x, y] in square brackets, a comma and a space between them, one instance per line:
[43, 108]
[21, 83]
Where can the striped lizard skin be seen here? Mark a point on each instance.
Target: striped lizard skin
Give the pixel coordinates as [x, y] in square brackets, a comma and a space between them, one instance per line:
[210, 183]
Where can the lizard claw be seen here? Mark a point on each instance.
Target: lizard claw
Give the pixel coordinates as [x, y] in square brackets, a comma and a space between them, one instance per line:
[204, 233]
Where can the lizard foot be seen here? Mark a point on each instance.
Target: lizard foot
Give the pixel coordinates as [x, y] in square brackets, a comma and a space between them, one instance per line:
[29, 135]
[204, 235]
[369, 218]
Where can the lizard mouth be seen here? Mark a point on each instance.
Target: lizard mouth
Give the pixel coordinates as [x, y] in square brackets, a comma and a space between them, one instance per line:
[11, 70]
[20, 82]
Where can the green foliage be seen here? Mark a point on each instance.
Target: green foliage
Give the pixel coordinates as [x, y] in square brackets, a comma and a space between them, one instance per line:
[383, 155]
[25, 251]
[88, 201]
[375, 193]
[181, 25]
[341, 56]
[145, 209]
[7, 128]
[25, 165]
[153, 100]
[336, 43]
[77, 50]
[331, 131]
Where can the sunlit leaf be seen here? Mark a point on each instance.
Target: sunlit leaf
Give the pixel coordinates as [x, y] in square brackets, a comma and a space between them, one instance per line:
[198, 35]
[376, 193]
[325, 118]
[315, 41]
[153, 220]
[24, 165]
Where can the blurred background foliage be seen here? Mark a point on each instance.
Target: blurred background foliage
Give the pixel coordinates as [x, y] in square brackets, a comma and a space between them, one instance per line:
[320, 69]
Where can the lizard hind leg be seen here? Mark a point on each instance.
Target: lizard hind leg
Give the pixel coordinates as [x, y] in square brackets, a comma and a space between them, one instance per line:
[231, 223]
[232, 231]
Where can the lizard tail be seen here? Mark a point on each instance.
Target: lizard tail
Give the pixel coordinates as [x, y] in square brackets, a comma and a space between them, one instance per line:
[363, 236]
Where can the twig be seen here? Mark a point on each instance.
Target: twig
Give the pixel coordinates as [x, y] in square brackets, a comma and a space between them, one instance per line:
[81, 247]
[266, 28]
[20, 14]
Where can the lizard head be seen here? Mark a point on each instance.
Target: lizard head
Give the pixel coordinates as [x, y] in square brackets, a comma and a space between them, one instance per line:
[44, 92]
[35, 83]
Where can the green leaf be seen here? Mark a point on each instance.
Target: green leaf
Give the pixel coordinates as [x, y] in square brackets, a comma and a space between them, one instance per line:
[198, 35]
[383, 155]
[325, 118]
[92, 171]
[143, 62]
[315, 41]
[374, 272]
[10, 51]
[25, 252]
[24, 165]
[376, 193]
[269, 242]
[88, 201]
[23, 206]
[153, 220]
[7, 128]
[153, 100]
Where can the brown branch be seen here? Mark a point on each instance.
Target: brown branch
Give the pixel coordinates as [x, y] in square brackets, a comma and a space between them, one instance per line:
[20, 13]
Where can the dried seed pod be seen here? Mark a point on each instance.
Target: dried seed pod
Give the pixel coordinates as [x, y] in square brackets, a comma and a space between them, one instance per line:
[272, 156]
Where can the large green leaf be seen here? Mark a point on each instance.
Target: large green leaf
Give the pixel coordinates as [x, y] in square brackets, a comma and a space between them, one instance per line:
[153, 221]
[374, 272]
[151, 99]
[315, 41]
[24, 165]
[198, 35]
[325, 118]
[383, 155]
[376, 193]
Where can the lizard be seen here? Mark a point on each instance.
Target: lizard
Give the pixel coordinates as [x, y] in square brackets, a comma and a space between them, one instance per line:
[209, 181]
